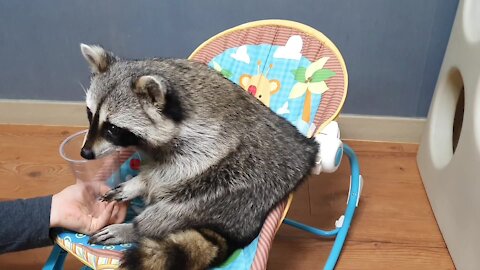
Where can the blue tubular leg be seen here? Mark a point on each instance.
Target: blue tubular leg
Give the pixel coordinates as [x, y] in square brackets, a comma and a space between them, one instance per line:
[56, 259]
[352, 204]
[311, 229]
[341, 233]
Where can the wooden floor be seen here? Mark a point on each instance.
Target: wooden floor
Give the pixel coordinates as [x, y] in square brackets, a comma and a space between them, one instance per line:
[394, 227]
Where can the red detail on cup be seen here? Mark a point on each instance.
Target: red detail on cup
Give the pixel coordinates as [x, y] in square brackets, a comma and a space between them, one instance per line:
[135, 164]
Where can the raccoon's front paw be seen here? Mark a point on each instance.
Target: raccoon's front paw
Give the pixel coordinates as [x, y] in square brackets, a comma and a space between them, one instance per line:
[115, 194]
[114, 234]
[125, 191]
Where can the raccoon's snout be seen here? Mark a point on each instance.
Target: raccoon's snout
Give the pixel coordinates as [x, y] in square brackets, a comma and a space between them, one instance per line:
[87, 153]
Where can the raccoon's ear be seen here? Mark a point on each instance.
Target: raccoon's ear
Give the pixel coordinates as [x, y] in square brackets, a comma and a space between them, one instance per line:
[153, 88]
[97, 57]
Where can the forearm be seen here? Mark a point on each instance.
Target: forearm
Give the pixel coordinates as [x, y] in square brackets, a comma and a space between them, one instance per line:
[25, 224]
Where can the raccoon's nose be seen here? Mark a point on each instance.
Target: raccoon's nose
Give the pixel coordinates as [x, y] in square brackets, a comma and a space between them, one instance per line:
[87, 153]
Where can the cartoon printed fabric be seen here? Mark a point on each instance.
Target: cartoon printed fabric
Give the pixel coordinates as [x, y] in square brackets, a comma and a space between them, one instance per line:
[280, 77]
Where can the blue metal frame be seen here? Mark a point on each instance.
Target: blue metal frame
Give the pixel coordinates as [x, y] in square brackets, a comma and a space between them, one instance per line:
[340, 233]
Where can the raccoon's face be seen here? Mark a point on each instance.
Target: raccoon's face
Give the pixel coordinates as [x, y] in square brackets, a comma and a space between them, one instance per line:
[125, 107]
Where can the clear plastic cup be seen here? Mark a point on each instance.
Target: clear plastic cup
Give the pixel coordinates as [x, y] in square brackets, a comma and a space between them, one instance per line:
[103, 169]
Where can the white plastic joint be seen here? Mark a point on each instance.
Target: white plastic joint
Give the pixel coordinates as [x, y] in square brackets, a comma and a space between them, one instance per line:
[339, 221]
[330, 150]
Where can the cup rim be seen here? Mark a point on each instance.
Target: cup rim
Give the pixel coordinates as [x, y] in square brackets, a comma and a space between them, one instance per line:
[67, 140]
[71, 160]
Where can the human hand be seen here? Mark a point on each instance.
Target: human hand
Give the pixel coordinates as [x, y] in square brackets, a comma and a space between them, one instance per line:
[77, 208]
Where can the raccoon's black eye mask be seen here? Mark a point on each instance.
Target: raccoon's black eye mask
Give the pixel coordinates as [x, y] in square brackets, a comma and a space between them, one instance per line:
[89, 115]
[119, 136]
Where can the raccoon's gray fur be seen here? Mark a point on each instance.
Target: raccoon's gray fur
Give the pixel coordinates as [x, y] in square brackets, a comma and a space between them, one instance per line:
[219, 159]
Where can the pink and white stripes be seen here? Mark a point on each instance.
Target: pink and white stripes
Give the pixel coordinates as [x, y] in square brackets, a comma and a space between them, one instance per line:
[267, 234]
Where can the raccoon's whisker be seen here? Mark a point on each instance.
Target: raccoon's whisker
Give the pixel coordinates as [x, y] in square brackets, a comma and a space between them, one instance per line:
[83, 88]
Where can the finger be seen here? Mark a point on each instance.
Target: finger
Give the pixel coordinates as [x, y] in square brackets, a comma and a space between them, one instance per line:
[89, 187]
[103, 189]
[102, 220]
[119, 214]
[98, 189]
[114, 217]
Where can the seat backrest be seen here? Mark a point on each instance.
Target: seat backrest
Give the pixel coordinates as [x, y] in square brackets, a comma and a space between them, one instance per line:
[292, 68]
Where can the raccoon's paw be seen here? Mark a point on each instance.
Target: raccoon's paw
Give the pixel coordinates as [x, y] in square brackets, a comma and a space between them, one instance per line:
[126, 191]
[116, 194]
[114, 234]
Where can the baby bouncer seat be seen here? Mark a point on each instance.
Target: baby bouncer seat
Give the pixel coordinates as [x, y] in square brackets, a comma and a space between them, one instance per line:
[298, 73]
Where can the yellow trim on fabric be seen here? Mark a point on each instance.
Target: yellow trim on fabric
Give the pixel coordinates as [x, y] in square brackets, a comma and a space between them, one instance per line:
[107, 266]
[302, 27]
[59, 241]
[285, 211]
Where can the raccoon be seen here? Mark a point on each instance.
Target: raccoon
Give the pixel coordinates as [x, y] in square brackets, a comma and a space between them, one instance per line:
[218, 159]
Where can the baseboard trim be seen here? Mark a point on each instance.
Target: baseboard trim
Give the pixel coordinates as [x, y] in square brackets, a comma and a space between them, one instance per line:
[356, 127]
[381, 128]
[52, 113]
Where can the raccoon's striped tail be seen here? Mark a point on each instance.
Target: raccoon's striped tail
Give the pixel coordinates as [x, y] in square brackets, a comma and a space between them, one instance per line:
[184, 250]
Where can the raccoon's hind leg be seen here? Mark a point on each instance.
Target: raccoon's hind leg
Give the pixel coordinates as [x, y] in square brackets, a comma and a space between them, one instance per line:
[126, 191]
[183, 250]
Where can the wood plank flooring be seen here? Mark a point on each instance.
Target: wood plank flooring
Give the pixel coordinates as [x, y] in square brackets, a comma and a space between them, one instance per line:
[394, 227]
